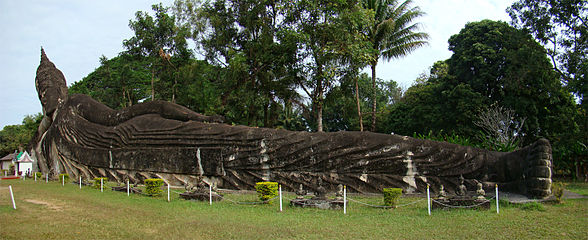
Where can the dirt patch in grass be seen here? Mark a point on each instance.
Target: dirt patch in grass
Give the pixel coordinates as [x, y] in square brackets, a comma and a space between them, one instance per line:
[46, 204]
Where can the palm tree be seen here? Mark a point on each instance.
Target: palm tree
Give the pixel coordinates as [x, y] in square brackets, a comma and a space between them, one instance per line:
[393, 34]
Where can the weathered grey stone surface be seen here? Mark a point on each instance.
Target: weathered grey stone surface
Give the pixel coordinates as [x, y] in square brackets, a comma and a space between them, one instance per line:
[85, 138]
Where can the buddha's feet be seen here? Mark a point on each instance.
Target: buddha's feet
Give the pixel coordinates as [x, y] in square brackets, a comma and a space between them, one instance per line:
[537, 169]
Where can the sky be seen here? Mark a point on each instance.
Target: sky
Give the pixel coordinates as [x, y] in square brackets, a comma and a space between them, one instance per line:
[75, 33]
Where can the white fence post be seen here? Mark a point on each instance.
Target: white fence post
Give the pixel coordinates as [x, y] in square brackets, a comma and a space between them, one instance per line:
[12, 196]
[497, 208]
[344, 199]
[62, 180]
[428, 200]
[35, 176]
[280, 188]
[101, 184]
[168, 192]
[210, 194]
[128, 190]
[46, 177]
[80, 182]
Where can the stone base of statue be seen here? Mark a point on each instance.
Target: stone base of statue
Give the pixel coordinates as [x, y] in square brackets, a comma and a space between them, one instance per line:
[124, 189]
[201, 196]
[317, 203]
[461, 202]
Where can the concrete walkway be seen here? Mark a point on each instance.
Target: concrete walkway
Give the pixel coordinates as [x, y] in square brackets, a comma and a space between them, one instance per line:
[518, 198]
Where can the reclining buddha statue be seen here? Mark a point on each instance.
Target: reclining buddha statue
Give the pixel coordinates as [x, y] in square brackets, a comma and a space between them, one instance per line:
[87, 139]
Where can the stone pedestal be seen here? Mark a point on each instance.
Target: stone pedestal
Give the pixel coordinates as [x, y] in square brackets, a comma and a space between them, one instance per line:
[200, 196]
[124, 189]
[318, 203]
[452, 203]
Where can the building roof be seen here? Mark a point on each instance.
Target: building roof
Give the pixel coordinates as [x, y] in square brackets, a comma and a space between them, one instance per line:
[8, 157]
[24, 157]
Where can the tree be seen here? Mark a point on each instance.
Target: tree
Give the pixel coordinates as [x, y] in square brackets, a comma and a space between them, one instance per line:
[161, 43]
[393, 34]
[119, 82]
[244, 38]
[562, 27]
[501, 126]
[341, 101]
[16, 137]
[330, 45]
[507, 66]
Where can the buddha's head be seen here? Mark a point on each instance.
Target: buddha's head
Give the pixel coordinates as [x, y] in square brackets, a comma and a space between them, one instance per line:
[50, 84]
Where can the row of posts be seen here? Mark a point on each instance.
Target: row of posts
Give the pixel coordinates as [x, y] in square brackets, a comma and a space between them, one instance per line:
[210, 193]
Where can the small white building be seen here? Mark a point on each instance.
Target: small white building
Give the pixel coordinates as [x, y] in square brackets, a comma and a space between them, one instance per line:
[24, 163]
[5, 163]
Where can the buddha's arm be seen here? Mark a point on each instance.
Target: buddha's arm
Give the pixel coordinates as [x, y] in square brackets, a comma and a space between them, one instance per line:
[99, 113]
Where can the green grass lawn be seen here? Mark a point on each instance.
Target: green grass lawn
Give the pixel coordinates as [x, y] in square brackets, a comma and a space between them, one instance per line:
[578, 187]
[51, 211]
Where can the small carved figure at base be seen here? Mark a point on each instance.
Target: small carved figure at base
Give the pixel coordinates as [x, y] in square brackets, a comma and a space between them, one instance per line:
[480, 192]
[339, 194]
[321, 192]
[442, 193]
[300, 193]
[200, 191]
[461, 190]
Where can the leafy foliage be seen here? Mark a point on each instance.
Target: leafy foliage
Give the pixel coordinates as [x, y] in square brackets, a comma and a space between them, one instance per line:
[99, 181]
[266, 190]
[64, 177]
[391, 196]
[118, 83]
[153, 186]
[557, 188]
[392, 35]
[16, 137]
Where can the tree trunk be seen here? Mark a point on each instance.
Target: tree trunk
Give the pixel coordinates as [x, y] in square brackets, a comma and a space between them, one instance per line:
[374, 97]
[319, 116]
[358, 105]
[152, 85]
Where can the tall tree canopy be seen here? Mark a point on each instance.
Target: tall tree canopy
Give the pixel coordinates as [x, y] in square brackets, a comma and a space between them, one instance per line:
[16, 137]
[118, 82]
[562, 26]
[393, 35]
[492, 63]
[162, 44]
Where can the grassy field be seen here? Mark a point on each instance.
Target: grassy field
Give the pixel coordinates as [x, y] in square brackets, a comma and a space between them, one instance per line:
[51, 211]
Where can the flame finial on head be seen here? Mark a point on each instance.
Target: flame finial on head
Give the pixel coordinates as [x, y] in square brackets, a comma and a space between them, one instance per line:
[50, 84]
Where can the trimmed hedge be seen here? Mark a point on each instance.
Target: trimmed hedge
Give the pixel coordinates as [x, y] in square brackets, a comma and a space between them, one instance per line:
[391, 196]
[39, 174]
[97, 181]
[266, 190]
[64, 177]
[557, 188]
[153, 186]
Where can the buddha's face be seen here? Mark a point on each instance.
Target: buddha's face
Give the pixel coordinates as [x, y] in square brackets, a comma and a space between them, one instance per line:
[50, 84]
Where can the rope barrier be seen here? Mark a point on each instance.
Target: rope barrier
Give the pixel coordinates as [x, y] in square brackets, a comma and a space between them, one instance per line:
[471, 206]
[249, 203]
[381, 206]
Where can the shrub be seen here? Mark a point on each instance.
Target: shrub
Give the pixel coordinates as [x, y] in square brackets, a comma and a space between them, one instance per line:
[4, 172]
[97, 181]
[557, 188]
[266, 190]
[39, 174]
[532, 206]
[153, 186]
[64, 177]
[391, 196]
